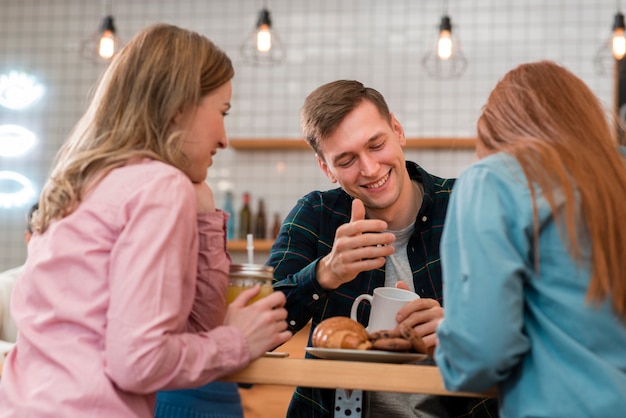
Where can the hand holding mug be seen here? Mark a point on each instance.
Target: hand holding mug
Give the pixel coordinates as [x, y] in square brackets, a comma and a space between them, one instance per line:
[424, 316]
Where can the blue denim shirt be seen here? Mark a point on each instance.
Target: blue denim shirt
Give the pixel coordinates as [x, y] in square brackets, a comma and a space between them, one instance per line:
[530, 332]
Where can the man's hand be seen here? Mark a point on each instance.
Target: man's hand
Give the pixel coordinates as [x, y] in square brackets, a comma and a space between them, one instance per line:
[424, 315]
[360, 245]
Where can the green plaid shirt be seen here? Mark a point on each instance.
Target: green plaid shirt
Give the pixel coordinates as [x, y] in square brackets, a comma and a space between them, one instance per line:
[307, 234]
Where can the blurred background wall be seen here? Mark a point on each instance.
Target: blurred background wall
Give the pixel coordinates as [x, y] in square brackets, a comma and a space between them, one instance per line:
[381, 43]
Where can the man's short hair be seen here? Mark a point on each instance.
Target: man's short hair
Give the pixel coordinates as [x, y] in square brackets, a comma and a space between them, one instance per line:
[326, 107]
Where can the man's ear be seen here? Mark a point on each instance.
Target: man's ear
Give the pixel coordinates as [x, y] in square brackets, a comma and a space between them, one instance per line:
[325, 169]
[396, 126]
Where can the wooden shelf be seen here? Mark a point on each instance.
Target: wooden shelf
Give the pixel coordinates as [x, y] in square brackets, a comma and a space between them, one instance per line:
[239, 245]
[269, 144]
[441, 143]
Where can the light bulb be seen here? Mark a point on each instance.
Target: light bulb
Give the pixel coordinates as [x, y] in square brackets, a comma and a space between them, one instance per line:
[446, 60]
[612, 49]
[263, 45]
[264, 38]
[619, 44]
[103, 45]
[444, 45]
[106, 46]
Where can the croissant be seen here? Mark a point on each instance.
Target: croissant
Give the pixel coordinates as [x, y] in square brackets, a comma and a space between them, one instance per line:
[341, 332]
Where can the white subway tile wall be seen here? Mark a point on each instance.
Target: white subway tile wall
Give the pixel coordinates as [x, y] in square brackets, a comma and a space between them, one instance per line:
[378, 42]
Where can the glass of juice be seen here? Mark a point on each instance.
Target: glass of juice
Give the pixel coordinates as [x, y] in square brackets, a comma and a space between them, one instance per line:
[245, 276]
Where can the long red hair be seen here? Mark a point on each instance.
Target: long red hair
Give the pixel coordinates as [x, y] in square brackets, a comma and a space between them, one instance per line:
[553, 124]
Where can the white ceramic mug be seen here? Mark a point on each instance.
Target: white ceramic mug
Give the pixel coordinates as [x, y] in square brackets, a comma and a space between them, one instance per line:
[386, 303]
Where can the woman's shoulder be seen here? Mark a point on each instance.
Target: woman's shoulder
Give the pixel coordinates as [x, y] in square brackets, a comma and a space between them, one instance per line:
[148, 173]
[142, 181]
[153, 168]
[501, 165]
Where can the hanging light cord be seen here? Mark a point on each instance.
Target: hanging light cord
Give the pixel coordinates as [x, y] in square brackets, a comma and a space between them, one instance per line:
[107, 8]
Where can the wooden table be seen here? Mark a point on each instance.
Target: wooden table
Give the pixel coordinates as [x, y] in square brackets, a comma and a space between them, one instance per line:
[333, 374]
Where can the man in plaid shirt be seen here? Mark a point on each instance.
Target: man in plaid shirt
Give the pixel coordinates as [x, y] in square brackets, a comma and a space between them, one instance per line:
[382, 227]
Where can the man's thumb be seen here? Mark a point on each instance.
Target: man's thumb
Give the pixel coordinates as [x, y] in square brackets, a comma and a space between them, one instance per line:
[358, 210]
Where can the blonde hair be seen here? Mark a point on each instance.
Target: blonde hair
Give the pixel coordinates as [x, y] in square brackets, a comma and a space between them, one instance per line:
[163, 70]
[553, 124]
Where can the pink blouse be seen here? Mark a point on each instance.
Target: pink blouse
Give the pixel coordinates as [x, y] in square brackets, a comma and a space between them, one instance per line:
[122, 298]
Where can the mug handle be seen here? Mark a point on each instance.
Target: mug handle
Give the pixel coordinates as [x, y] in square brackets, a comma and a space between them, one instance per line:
[355, 304]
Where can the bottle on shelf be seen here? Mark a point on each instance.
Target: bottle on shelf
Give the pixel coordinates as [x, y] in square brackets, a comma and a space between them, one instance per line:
[276, 227]
[228, 208]
[245, 217]
[260, 222]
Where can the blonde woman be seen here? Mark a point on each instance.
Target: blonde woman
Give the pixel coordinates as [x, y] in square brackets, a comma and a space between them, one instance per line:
[123, 292]
[533, 254]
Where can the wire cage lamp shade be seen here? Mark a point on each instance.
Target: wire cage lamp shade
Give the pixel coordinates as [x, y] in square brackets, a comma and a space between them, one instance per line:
[263, 46]
[613, 48]
[444, 58]
[102, 46]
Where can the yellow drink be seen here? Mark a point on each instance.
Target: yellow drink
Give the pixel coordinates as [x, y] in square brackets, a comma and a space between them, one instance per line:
[245, 276]
[234, 290]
